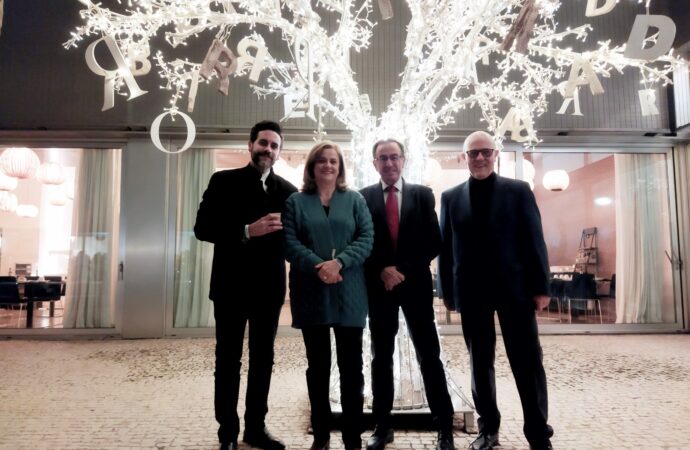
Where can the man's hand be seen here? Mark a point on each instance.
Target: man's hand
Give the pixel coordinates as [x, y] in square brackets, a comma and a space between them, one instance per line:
[329, 272]
[391, 277]
[541, 302]
[267, 224]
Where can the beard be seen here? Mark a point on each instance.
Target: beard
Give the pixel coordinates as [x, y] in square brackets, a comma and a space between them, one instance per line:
[257, 159]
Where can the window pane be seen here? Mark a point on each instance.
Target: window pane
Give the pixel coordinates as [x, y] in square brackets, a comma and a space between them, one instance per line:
[64, 256]
[611, 223]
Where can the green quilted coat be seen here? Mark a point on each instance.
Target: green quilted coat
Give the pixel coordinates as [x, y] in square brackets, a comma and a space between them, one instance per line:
[313, 237]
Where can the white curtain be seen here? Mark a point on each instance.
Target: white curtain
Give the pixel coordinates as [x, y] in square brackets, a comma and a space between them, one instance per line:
[193, 258]
[89, 299]
[640, 238]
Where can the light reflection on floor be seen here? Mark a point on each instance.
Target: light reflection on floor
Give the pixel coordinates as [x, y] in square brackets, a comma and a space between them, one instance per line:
[581, 314]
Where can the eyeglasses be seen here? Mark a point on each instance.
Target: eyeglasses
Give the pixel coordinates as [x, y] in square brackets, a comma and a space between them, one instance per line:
[391, 158]
[485, 152]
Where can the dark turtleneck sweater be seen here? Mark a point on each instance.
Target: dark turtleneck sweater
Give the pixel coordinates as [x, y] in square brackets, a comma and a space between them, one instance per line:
[482, 243]
[481, 197]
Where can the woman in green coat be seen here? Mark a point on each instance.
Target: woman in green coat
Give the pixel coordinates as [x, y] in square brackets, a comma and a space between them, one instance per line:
[329, 235]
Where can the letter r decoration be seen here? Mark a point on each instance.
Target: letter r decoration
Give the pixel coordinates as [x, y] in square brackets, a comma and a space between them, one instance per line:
[212, 62]
[111, 75]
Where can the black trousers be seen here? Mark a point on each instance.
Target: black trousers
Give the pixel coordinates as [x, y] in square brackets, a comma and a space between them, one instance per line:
[521, 338]
[383, 324]
[348, 345]
[231, 320]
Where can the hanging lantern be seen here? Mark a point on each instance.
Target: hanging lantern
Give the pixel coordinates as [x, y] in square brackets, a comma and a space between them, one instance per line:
[556, 180]
[528, 171]
[19, 162]
[7, 183]
[8, 201]
[58, 198]
[51, 173]
[30, 211]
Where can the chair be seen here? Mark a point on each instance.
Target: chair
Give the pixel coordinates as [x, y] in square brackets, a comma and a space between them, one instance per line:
[8, 279]
[583, 288]
[58, 279]
[9, 295]
[557, 291]
[607, 297]
[43, 291]
[32, 277]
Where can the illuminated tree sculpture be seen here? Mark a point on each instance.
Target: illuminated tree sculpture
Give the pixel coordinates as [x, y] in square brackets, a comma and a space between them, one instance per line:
[520, 39]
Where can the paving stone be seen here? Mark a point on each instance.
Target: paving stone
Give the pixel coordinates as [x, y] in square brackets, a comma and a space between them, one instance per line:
[622, 392]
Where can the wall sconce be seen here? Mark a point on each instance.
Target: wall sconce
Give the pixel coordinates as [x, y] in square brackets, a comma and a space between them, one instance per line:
[556, 180]
[30, 211]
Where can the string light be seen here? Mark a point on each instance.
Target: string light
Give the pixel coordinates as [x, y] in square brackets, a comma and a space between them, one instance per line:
[439, 78]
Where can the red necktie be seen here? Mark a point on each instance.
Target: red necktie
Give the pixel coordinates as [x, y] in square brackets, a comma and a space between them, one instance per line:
[392, 213]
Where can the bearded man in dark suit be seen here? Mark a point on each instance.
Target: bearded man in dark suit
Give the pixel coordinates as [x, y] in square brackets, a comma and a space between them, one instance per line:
[494, 260]
[240, 214]
[406, 239]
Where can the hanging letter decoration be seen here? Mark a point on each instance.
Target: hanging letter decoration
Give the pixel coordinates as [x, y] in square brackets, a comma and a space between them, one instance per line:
[575, 100]
[522, 28]
[593, 8]
[138, 56]
[298, 105]
[386, 9]
[582, 73]
[111, 75]
[648, 102]
[634, 49]
[256, 62]
[155, 131]
[224, 68]
[516, 123]
[193, 89]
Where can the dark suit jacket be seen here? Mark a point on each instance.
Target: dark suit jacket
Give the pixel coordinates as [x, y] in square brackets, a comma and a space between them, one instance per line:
[233, 199]
[519, 262]
[419, 240]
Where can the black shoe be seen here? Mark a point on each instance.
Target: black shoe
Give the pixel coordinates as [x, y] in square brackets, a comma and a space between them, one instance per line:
[485, 441]
[263, 440]
[380, 438]
[545, 446]
[228, 446]
[445, 440]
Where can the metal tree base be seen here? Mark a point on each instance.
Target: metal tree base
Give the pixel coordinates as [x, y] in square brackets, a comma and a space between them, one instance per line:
[410, 406]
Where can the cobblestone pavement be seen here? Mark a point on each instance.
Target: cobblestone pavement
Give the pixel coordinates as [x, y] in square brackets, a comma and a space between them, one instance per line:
[606, 392]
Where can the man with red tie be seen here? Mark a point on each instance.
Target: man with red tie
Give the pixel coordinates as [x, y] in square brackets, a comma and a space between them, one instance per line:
[406, 239]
